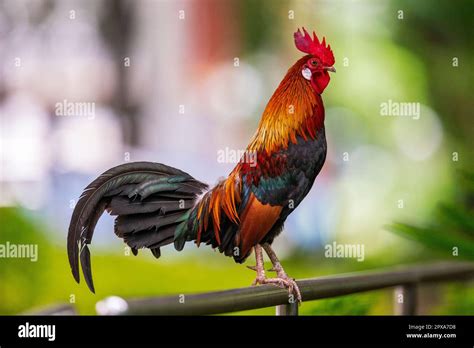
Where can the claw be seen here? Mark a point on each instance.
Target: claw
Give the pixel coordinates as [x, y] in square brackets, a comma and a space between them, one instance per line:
[271, 269]
[253, 268]
[286, 283]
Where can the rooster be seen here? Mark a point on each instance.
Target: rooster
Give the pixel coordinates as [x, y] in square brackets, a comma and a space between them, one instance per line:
[157, 205]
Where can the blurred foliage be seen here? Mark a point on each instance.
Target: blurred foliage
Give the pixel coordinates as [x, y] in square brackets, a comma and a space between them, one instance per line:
[21, 280]
[452, 225]
[457, 298]
[359, 304]
[445, 31]
[255, 18]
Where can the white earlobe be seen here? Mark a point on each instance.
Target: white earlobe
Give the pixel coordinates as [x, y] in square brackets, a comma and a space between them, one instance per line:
[306, 73]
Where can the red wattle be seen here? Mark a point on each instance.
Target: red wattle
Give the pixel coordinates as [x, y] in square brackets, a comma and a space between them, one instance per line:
[319, 81]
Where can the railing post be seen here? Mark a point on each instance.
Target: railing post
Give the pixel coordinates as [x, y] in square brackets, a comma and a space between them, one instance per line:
[287, 309]
[405, 299]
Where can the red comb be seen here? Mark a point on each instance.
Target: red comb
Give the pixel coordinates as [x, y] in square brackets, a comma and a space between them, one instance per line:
[312, 46]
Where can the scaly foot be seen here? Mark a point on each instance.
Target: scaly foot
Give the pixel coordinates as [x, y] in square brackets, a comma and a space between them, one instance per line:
[282, 280]
[285, 283]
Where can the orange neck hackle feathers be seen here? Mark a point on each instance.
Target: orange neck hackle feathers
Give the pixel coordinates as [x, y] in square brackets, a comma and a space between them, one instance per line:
[289, 113]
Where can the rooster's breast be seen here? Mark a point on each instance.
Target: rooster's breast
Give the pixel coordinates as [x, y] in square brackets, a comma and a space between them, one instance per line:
[288, 174]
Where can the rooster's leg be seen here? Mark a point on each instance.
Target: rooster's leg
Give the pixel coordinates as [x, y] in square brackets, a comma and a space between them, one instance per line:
[282, 278]
[259, 266]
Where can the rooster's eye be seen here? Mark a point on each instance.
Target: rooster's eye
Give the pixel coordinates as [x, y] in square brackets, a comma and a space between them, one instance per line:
[313, 62]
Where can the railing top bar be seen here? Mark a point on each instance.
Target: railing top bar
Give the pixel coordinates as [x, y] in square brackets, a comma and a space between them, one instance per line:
[311, 289]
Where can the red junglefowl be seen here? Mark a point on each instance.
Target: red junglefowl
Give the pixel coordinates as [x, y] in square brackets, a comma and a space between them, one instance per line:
[158, 205]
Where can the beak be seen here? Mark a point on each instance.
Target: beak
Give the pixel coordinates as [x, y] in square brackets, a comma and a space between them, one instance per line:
[330, 68]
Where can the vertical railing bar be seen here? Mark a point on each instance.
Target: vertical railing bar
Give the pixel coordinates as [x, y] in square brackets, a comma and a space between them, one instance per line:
[287, 309]
[406, 299]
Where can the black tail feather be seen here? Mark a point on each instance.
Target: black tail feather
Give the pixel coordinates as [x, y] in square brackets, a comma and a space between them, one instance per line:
[149, 238]
[122, 205]
[111, 191]
[127, 224]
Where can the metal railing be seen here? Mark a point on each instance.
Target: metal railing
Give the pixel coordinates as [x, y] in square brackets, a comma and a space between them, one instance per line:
[405, 280]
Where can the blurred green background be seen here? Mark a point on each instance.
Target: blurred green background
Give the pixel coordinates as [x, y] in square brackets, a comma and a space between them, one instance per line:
[400, 186]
